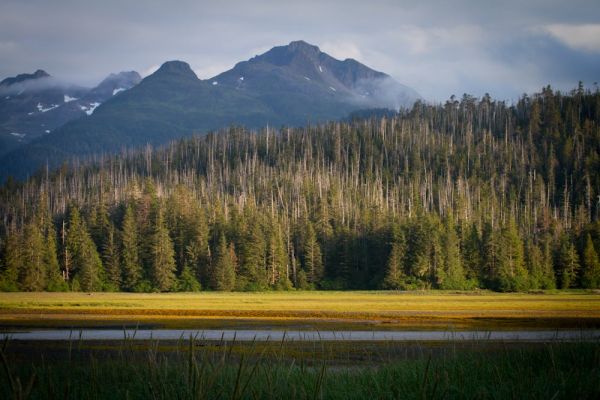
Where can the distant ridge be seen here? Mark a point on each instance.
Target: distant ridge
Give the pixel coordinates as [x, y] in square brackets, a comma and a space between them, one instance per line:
[289, 85]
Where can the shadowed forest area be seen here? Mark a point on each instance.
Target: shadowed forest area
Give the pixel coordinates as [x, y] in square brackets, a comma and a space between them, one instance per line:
[473, 193]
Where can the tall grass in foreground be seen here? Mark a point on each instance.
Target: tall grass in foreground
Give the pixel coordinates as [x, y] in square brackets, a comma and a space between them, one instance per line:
[197, 370]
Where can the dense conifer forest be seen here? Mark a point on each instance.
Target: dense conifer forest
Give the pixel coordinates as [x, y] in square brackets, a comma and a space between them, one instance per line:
[473, 193]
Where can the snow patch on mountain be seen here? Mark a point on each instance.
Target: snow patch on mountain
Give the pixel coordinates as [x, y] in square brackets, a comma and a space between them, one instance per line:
[91, 109]
[69, 99]
[115, 91]
[41, 108]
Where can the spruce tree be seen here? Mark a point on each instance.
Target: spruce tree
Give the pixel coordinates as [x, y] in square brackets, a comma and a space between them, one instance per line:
[418, 252]
[534, 259]
[512, 275]
[86, 263]
[567, 263]
[55, 281]
[394, 274]
[110, 260]
[131, 265]
[187, 281]
[277, 260]
[472, 257]
[451, 275]
[90, 273]
[198, 249]
[313, 262]
[590, 277]
[548, 277]
[163, 258]
[253, 267]
[13, 260]
[223, 271]
[34, 270]
[490, 244]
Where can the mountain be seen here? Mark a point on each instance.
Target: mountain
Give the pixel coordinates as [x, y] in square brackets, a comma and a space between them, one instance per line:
[300, 75]
[289, 85]
[40, 73]
[33, 105]
[24, 102]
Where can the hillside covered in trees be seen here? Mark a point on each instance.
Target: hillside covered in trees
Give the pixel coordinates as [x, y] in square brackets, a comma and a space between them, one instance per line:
[473, 193]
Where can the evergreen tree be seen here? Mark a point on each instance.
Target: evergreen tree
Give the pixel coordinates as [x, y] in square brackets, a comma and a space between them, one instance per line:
[512, 275]
[277, 261]
[33, 272]
[313, 263]
[567, 263]
[86, 264]
[55, 281]
[198, 249]
[472, 257]
[548, 277]
[490, 244]
[90, 274]
[187, 281]
[253, 265]
[394, 274]
[12, 257]
[132, 269]
[451, 275]
[223, 274]
[419, 252]
[590, 265]
[163, 259]
[110, 260]
[534, 261]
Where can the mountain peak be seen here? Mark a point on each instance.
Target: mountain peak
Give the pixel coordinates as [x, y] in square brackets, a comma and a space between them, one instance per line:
[40, 73]
[115, 83]
[131, 77]
[297, 52]
[301, 45]
[176, 67]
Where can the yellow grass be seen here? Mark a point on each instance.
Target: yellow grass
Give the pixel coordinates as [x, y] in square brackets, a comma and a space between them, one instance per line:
[394, 309]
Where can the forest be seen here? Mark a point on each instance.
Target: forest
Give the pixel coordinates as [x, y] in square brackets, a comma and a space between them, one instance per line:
[472, 193]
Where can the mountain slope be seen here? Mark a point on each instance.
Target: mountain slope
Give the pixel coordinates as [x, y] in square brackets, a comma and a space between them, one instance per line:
[25, 101]
[301, 73]
[292, 85]
[33, 105]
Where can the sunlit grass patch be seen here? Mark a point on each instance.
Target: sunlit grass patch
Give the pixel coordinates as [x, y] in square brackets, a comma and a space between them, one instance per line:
[393, 310]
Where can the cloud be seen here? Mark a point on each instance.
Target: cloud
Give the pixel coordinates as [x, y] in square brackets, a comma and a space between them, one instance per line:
[149, 71]
[584, 37]
[438, 47]
[209, 71]
[342, 49]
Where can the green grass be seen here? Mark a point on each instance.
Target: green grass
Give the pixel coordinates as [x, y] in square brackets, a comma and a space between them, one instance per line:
[336, 310]
[190, 370]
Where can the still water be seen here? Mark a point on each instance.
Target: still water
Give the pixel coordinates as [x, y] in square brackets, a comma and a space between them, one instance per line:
[296, 335]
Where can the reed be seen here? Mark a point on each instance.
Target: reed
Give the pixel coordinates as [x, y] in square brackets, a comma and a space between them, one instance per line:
[194, 369]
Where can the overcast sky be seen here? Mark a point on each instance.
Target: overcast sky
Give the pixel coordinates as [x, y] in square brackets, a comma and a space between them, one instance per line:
[439, 48]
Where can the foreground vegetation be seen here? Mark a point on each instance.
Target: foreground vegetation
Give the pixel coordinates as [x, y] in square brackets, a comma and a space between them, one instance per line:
[335, 310]
[470, 194]
[191, 369]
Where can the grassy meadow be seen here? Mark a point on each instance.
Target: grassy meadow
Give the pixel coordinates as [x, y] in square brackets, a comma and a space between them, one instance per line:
[335, 310]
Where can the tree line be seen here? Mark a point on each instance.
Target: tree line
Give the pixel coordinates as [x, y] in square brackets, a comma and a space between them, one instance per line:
[473, 193]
